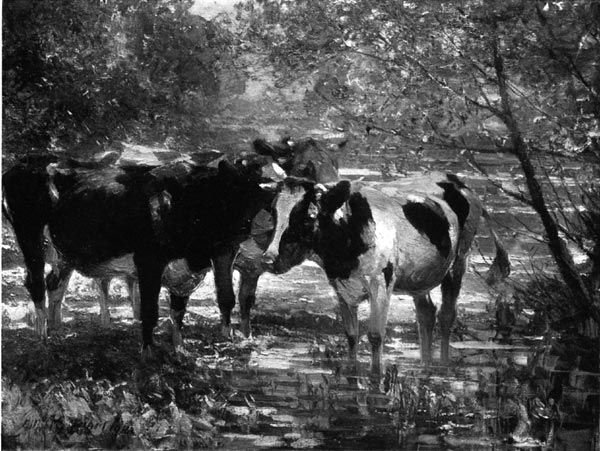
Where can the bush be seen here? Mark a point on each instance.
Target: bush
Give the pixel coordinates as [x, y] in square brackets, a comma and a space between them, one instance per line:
[79, 74]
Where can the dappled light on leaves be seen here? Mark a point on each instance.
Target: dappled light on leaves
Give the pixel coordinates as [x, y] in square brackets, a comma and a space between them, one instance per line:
[117, 70]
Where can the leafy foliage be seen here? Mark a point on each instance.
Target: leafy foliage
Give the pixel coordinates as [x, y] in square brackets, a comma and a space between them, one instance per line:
[78, 73]
[88, 412]
[90, 390]
[425, 70]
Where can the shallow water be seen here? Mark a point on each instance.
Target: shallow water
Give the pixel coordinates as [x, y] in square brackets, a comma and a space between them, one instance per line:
[290, 385]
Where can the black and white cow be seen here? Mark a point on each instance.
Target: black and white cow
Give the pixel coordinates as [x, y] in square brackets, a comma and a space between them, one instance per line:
[409, 237]
[141, 217]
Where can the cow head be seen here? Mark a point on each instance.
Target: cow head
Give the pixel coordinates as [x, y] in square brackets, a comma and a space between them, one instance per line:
[309, 166]
[253, 181]
[298, 206]
[303, 158]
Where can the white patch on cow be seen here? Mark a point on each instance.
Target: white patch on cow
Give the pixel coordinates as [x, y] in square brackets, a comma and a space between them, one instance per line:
[273, 172]
[272, 186]
[415, 198]
[339, 214]
[279, 171]
[285, 202]
[352, 290]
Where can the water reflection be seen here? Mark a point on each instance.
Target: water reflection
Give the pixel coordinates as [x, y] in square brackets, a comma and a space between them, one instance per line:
[288, 394]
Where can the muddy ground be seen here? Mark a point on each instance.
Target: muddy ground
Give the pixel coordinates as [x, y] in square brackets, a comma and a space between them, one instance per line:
[286, 387]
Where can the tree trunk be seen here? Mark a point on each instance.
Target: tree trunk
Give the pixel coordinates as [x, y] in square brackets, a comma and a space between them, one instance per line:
[582, 297]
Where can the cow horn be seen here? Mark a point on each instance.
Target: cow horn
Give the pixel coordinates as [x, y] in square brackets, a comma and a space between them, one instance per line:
[51, 170]
[325, 186]
[271, 186]
[263, 147]
[279, 171]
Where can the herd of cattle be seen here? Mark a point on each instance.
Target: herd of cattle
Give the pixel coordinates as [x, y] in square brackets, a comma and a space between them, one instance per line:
[167, 225]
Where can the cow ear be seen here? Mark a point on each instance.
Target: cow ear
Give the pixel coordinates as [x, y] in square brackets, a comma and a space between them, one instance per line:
[337, 146]
[310, 171]
[227, 169]
[273, 172]
[51, 170]
[335, 197]
[263, 147]
[342, 144]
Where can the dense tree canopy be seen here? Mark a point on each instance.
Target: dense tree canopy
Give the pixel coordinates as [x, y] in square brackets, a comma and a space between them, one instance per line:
[83, 73]
[426, 70]
[516, 76]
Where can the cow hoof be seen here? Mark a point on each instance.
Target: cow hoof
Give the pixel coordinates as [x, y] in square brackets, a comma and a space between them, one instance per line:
[56, 332]
[40, 323]
[426, 363]
[226, 331]
[180, 351]
[351, 367]
[238, 335]
[136, 313]
[147, 353]
[245, 328]
[54, 321]
[353, 381]
[375, 382]
[177, 338]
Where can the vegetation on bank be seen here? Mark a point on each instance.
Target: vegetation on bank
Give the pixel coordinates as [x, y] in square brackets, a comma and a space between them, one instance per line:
[83, 75]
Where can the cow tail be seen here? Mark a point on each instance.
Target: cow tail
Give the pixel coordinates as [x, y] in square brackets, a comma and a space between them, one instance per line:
[500, 268]
[6, 211]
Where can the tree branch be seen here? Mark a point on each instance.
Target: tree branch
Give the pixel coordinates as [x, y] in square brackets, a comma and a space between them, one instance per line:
[582, 297]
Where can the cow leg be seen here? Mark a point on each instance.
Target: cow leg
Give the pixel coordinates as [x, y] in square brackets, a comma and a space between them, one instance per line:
[57, 282]
[349, 292]
[31, 242]
[134, 296]
[350, 322]
[103, 286]
[248, 263]
[223, 273]
[149, 276]
[426, 320]
[380, 292]
[247, 298]
[178, 307]
[450, 290]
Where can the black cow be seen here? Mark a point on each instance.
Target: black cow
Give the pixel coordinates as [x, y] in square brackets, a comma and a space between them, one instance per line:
[141, 217]
[410, 237]
[177, 277]
[305, 157]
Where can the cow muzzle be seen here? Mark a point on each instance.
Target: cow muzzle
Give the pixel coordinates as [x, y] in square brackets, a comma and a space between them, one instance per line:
[269, 258]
